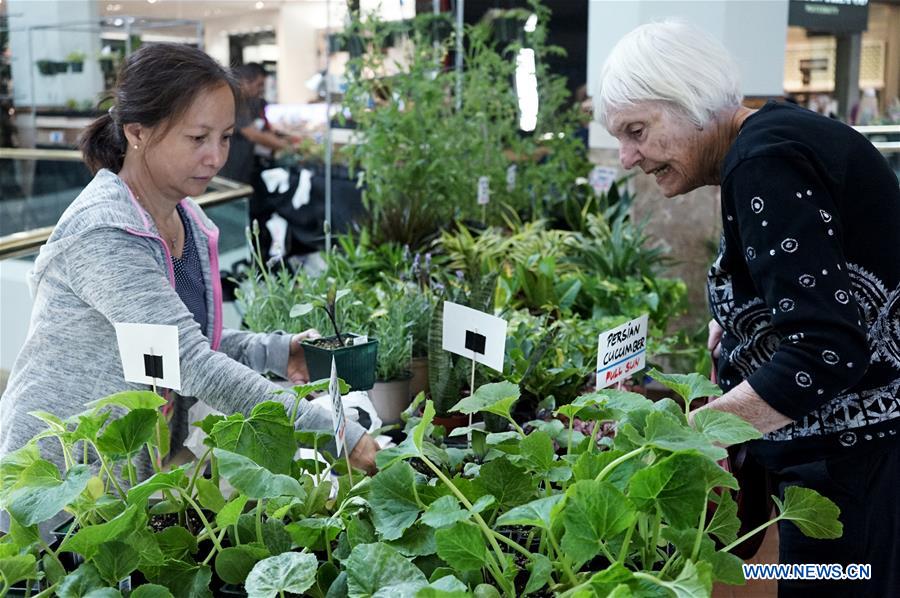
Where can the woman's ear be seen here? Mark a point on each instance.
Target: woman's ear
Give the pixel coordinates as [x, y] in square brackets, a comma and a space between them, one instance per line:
[136, 134]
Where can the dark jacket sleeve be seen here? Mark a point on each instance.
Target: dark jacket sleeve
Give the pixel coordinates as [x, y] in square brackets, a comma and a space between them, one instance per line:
[790, 231]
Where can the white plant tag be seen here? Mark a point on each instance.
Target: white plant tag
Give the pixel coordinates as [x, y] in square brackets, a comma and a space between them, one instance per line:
[474, 335]
[511, 177]
[602, 178]
[337, 409]
[622, 351]
[360, 340]
[484, 190]
[149, 354]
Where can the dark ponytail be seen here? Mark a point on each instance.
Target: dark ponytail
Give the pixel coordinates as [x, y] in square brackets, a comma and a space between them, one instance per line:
[103, 144]
[156, 85]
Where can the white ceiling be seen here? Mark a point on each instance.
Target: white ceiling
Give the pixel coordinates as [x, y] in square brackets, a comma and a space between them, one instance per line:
[187, 9]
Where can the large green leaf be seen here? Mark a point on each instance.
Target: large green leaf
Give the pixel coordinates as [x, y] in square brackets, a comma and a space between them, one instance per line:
[725, 524]
[421, 429]
[209, 495]
[392, 496]
[151, 590]
[603, 583]
[313, 532]
[131, 400]
[115, 560]
[694, 580]
[231, 511]
[443, 512]
[16, 568]
[724, 428]
[288, 572]
[86, 540]
[594, 513]
[416, 541]
[537, 451]
[42, 493]
[462, 546]
[496, 398]
[672, 487]
[140, 494]
[186, 580]
[815, 515]
[80, 582]
[380, 571]
[127, 435]
[509, 484]
[725, 566]
[254, 480]
[234, 563]
[535, 513]
[664, 431]
[13, 464]
[688, 386]
[445, 587]
[266, 437]
[539, 570]
[90, 423]
[176, 542]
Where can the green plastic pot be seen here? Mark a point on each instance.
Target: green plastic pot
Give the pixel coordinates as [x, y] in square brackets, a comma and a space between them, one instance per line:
[355, 364]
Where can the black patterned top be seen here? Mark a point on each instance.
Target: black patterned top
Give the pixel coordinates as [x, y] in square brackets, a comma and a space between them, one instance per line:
[807, 280]
[189, 282]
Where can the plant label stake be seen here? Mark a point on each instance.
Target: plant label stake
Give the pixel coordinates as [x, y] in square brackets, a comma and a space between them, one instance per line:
[621, 352]
[474, 335]
[484, 195]
[338, 420]
[149, 354]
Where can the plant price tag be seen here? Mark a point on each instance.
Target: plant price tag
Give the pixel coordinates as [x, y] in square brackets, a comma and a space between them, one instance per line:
[511, 177]
[484, 190]
[622, 352]
[360, 340]
[474, 335]
[602, 178]
[149, 354]
[337, 409]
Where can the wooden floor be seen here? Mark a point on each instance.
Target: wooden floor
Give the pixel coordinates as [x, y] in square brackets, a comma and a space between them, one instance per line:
[768, 553]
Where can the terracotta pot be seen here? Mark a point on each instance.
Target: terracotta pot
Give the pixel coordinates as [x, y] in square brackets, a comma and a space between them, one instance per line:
[419, 382]
[451, 422]
[390, 399]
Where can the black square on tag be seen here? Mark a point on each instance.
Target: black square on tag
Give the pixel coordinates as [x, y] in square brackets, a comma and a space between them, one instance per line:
[153, 366]
[475, 342]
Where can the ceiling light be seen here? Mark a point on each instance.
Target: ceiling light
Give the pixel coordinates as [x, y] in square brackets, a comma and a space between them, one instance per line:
[151, 1]
[259, 5]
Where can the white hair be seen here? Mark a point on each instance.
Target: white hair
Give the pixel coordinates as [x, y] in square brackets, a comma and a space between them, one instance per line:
[671, 62]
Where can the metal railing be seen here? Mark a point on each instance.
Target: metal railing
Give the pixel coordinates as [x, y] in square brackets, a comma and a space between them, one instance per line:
[885, 147]
[26, 242]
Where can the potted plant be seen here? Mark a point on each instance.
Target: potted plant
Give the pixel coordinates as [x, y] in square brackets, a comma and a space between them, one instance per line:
[76, 60]
[391, 325]
[355, 356]
[46, 67]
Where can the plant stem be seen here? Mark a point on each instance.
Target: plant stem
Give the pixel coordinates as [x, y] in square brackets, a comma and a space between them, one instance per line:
[594, 433]
[487, 531]
[197, 470]
[213, 550]
[571, 430]
[153, 464]
[624, 552]
[751, 533]
[48, 592]
[563, 559]
[700, 527]
[615, 463]
[513, 544]
[259, 536]
[203, 519]
[50, 552]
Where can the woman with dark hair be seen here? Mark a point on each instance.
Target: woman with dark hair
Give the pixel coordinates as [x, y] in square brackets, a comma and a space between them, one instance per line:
[133, 247]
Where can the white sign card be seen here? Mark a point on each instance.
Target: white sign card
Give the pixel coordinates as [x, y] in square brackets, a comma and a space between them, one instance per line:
[622, 352]
[474, 334]
[484, 190]
[602, 178]
[149, 354]
[337, 409]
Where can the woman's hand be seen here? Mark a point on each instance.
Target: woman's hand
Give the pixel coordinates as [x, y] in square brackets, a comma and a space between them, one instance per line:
[363, 455]
[713, 342]
[297, 371]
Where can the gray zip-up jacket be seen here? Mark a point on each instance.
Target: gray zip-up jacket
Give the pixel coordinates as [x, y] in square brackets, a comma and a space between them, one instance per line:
[106, 262]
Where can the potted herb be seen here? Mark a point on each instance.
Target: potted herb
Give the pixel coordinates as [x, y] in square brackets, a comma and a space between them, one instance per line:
[76, 60]
[355, 356]
[46, 67]
[391, 325]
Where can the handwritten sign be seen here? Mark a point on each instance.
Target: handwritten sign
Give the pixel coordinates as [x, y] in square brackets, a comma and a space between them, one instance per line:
[622, 352]
[339, 423]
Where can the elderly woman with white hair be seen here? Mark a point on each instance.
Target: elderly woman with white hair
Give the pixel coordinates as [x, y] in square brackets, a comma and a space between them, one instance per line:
[805, 291]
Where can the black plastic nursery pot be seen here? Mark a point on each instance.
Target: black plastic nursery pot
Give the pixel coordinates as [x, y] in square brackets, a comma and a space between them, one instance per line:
[355, 364]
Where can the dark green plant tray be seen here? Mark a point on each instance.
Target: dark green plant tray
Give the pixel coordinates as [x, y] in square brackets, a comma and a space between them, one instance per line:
[355, 364]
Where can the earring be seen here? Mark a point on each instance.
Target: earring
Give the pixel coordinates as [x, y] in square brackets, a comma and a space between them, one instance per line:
[135, 147]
